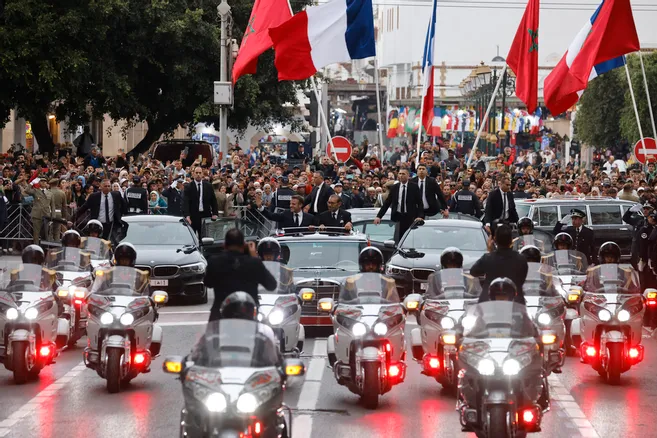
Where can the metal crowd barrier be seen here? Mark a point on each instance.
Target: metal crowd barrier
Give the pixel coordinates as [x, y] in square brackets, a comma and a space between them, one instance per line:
[19, 226]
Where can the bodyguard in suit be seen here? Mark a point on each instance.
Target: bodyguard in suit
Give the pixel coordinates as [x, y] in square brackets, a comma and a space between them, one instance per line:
[406, 202]
[317, 201]
[500, 205]
[292, 218]
[335, 216]
[432, 197]
[57, 207]
[199, 201]
[582, 236]
[105, 206]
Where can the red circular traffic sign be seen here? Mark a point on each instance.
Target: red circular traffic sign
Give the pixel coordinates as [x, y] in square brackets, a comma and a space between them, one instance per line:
[342, 148]
[647, 154]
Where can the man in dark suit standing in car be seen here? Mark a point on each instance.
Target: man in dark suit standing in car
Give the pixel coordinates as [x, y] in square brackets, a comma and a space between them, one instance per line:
[335, 216]
[432, 197]
[199, 201]
[292, 218]
[105, 206]
[500, 206]
[317, 201]
[406, 202]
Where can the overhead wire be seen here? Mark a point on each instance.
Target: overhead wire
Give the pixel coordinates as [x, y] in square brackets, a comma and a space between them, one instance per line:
[474, 4]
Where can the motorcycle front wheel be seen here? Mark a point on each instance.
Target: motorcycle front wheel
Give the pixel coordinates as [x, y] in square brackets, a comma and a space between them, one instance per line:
[113, 373]
[370, 394]
[21, 362]
[614, 363]
[497, 424]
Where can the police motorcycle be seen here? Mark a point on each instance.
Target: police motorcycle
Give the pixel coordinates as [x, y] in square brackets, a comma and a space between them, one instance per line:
[233, 379]
[99, 249]
[526, 236]
[31, 331]
[281, 308]
[123, 337]
[611, 318]
[368, 348]
[570, 266]
[545, 306]
[502, 389]
[435, 342]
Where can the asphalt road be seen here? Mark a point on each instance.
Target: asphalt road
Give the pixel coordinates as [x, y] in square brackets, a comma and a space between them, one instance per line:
[70, 400]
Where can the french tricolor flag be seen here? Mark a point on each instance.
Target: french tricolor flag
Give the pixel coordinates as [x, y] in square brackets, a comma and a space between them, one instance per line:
[427, 70]
[333, 32]
[599, 47]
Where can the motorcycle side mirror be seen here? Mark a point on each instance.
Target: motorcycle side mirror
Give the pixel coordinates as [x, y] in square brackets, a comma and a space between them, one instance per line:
[294, 367]
[389, 244]
[307, 294]
[412, 302]
[325, 305]
[160, 297]
[173, 364]
[207, 241]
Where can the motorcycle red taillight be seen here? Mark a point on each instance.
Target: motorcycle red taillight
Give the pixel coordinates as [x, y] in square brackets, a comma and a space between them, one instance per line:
[394, 371]
[78, 302]
[45, 351]
[257, 428]
[529, 416]
[635, 354]
[590, 351]
[651, 303]
[140, 358]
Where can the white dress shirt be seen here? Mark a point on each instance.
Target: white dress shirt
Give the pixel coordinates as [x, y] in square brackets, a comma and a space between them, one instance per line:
[505, 205]
[399, 201]
[319, 189]
[199, 188]
[423, 183]
[300, 217]
[101, 212]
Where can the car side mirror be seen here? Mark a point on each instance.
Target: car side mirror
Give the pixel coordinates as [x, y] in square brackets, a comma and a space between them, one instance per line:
[412, 302]
[207, 241]
[173, 364]
[294, 367]
[307, 294]
[160, 297]
[389, 244]
[325, 305]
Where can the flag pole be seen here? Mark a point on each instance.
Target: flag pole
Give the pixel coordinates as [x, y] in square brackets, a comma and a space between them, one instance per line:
[378, 106]
[419, 131]
[483, 122]
[636, 111]
[645, 84]
[323, 116]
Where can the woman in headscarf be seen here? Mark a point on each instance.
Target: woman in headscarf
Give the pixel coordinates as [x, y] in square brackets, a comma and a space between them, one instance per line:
[157, 205]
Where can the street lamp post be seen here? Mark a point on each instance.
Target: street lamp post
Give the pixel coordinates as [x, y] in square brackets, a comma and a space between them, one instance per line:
[224, 13]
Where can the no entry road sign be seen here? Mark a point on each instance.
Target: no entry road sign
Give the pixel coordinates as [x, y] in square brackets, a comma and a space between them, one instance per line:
[342, 148]
[647, 154]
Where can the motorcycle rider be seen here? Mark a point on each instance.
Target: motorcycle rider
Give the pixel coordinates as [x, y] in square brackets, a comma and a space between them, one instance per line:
[526, 228]
[562, 241]
[370, 260]
[610, 254]
[94, 228]
[71, 239]
[451, 258]
[269, 250]
[125, 255]
[239, 305]
[34, 255]
[648, 278]
[583, 237]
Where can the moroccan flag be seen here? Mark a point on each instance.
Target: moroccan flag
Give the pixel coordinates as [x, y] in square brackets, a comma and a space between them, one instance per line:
[523, 56]
[256, 40]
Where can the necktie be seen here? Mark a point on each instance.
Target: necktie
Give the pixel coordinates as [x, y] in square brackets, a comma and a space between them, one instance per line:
[335, 216]
[422, 187]
[296, 219]
[107, 212]
[403, 200]
[503, 205]
[200, 197]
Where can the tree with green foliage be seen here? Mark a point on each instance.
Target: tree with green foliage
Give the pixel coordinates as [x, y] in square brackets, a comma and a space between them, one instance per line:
[628, 126]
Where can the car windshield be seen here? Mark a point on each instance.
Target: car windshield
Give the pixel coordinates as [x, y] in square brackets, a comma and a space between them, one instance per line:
[498, 319]
[541, 281]
[236, 343]
[441, 237]
[368, 288]
[452, 284]
[98, 248]
[611, 278]
[120, 280]
[284, 277]
[159, 233]
[567, 262]
[19, 277]
[69, 259]
[322, 254]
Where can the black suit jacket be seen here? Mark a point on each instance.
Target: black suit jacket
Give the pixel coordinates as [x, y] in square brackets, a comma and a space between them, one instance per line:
[92, 205]
[285, 218]
[434, 195]
[494, 206]
[414, 204]
[502, 263]
[322, 203]
[583, 242]
[190, 200]
[326, 218]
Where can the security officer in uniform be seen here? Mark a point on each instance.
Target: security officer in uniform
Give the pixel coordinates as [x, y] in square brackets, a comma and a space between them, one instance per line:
[638, 221]
[583, 238]
[137, 199]
[40, 205]
[58, 208]
[648, 279]
[124, 256]
[610, 253]
[370, 260]
[465, 202]
[533, 255]
[282, 197]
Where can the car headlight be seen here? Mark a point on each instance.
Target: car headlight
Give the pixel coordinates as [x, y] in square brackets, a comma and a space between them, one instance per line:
[447, 323]
[511, 367]
[247, 403]
[127, 319]
[31, 313]
[106, 318]
[604, 315]
[392, 270]
[12, 314]
[623, 315]
[486, 367]
[380, 329]
[359, 329]
[276, 317]
[544, 319]
[468, 322]
[198, 268]
[216, 402]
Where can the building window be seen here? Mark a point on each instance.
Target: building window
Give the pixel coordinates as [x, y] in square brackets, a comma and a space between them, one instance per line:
[397, 93]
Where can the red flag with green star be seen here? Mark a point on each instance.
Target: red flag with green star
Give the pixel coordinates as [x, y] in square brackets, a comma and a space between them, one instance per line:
[523, 57]
[265, 15]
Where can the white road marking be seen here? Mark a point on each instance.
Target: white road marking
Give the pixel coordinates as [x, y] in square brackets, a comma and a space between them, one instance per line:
[562, 397]
[303, 424]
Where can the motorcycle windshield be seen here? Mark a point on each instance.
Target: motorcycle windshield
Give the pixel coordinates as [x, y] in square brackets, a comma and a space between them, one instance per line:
[69, 259]
[528, 240]
[23, 277]
[611, 278]
[498, 319]
[98, 248]
[236, 343]
[368, 288]
[567, 262]
[541, 281]
[284, 277]
[121, 281]
[452, 284]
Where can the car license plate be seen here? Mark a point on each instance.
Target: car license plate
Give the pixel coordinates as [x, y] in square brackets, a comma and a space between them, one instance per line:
[159, 282]
[424, 286]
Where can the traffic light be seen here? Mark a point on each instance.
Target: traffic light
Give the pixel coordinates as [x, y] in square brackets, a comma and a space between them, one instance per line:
[313, 110]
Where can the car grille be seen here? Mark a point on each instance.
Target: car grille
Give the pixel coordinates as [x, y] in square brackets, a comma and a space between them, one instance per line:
[165, 271]
[421, 274]
[144, 268]
[323, 289]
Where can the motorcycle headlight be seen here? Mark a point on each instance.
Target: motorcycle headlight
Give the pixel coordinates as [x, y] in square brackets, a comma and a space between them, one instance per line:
[468, 322]
[12, 314]
[31, 313]
[604, 315]
[359, 329]
[447, 323]
[247, 403]
[380, 329]
[216, 402]
[486, 367]
[276, 317]
[544, 319]
[198, 268]
[511, 367]
[106, 318]
[623, 315]
[126, 318]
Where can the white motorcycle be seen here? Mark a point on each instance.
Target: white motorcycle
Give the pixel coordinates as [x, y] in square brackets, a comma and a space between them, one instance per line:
[281, 309]
[436, 341]
[368, 349]
[611, 321]
[99, 250]
[31, 331]
[122, 335]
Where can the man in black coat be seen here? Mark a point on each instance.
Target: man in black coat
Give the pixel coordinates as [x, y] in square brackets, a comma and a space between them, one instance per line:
[583, 237]
[406, 202]
[432, 197]
[292, 218]
[199, 201]
[317, 201]
[500, 205]
[107, 207]
[238, 268]
[335, 216]
[174, 198]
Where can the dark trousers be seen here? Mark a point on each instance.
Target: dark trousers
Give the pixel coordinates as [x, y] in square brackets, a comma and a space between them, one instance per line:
[404, 223]
[107, 230]
[197, 223]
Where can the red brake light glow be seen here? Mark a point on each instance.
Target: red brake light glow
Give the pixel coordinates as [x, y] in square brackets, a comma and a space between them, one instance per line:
[633, 353]
[394, 370]
[388, 348]
[139, 358]
[652, 302]
[434, 363]
[44, 351]
[257, 428]
[528, 416]
[78, 302]
[590, 351]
